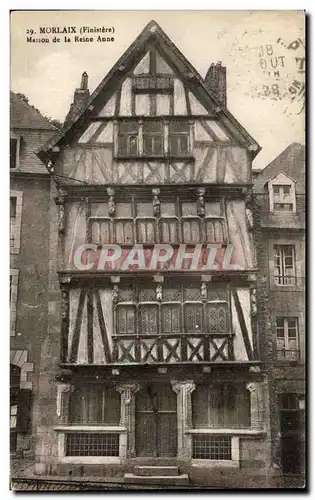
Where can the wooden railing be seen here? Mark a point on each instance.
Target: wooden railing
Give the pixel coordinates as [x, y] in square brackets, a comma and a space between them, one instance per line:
[173, 348]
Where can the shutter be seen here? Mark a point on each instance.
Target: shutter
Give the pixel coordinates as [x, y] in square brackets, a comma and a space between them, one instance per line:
[24, 410]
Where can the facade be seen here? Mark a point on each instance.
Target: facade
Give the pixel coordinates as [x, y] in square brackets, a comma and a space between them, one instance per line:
[280, 203]
[29, 190]
[153, 358]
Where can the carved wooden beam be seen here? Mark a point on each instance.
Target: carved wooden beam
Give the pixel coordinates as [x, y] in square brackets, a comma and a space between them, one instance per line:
[156, 202]
[201, 202]
[111, 202]
[60, 202]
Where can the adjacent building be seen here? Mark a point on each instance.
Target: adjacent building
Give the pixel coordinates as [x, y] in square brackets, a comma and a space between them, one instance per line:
[29, 251]
[280, 204]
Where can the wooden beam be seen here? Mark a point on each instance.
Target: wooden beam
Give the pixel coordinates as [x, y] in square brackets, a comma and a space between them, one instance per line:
[243, 326]
[90, 346]
[104, 336]
[77, 329]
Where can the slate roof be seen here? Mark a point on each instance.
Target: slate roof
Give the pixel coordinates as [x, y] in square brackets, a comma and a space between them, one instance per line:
[291, 162]
[23, 115]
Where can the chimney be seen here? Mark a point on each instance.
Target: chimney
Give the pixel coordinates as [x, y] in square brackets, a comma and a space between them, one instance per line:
[215, 81]
[80, 99]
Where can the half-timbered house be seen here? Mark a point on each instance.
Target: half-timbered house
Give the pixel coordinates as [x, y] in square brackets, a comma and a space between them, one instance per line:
[152, 352]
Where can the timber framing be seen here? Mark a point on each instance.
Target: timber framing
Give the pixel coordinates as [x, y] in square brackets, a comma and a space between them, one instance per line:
[151, 36]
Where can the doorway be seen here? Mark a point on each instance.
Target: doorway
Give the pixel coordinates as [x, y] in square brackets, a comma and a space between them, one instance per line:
[156, 422]
[291, 428]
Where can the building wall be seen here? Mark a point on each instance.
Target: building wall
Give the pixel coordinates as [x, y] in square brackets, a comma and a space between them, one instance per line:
[29, 262]
[274, 228]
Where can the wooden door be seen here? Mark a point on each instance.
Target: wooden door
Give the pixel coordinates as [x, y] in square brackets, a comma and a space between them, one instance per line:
[156, 422]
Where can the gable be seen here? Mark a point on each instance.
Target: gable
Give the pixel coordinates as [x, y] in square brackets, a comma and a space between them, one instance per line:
[281, 178]
[152, 53]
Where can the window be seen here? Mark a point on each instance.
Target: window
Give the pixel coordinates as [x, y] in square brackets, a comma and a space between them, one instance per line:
[14, 280]
[134, 222]
[287, 339]
[14, 151]
[147, 137]
[13, 207]
[159, 83]
[180, 310]
[178, 138]
[86, 444]
[284, 264]
[221, 405]
[128, 138]
[282, 194]
[282, 197]
[153, 135]
[13, 416]
[94, 405]
[212, 447]
[15, 220]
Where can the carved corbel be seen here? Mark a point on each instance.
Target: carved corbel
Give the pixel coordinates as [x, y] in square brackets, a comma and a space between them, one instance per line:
[204, 290]
[201, 202]
[159, 292]
[64, 303]
[111, 201]
[115, 294]
[253, 301]
[63, 394]
[60, 202]
[248, 209]
[156, 202]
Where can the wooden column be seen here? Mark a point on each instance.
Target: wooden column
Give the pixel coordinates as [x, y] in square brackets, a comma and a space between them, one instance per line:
[62, 402]
[184, 417]
[128, 415]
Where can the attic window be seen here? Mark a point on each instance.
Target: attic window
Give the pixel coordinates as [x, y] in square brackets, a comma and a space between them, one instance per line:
[159, 83]
[282, 194]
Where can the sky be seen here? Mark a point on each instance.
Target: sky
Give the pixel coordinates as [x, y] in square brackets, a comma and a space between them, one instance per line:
[262, 50]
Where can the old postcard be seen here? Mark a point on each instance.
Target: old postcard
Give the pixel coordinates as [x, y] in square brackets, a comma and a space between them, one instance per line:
[157, 261]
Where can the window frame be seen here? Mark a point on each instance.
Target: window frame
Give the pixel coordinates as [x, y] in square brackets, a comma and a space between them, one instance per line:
[181, 303]
[102, 228]
[281, 181]
[14, 283]
[283, 275]
[164, 134]
[287, 339]
[16, 222]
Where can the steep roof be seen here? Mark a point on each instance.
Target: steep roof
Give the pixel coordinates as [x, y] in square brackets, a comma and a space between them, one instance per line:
[152, 34]
[23, 115]
[291, 162]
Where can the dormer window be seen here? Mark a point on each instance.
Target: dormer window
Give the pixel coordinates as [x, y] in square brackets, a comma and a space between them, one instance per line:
[282, 194]
[14, 150]
[282, 198]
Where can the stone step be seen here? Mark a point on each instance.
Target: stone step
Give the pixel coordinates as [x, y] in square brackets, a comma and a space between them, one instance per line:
[180, 480]
[157, 470]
